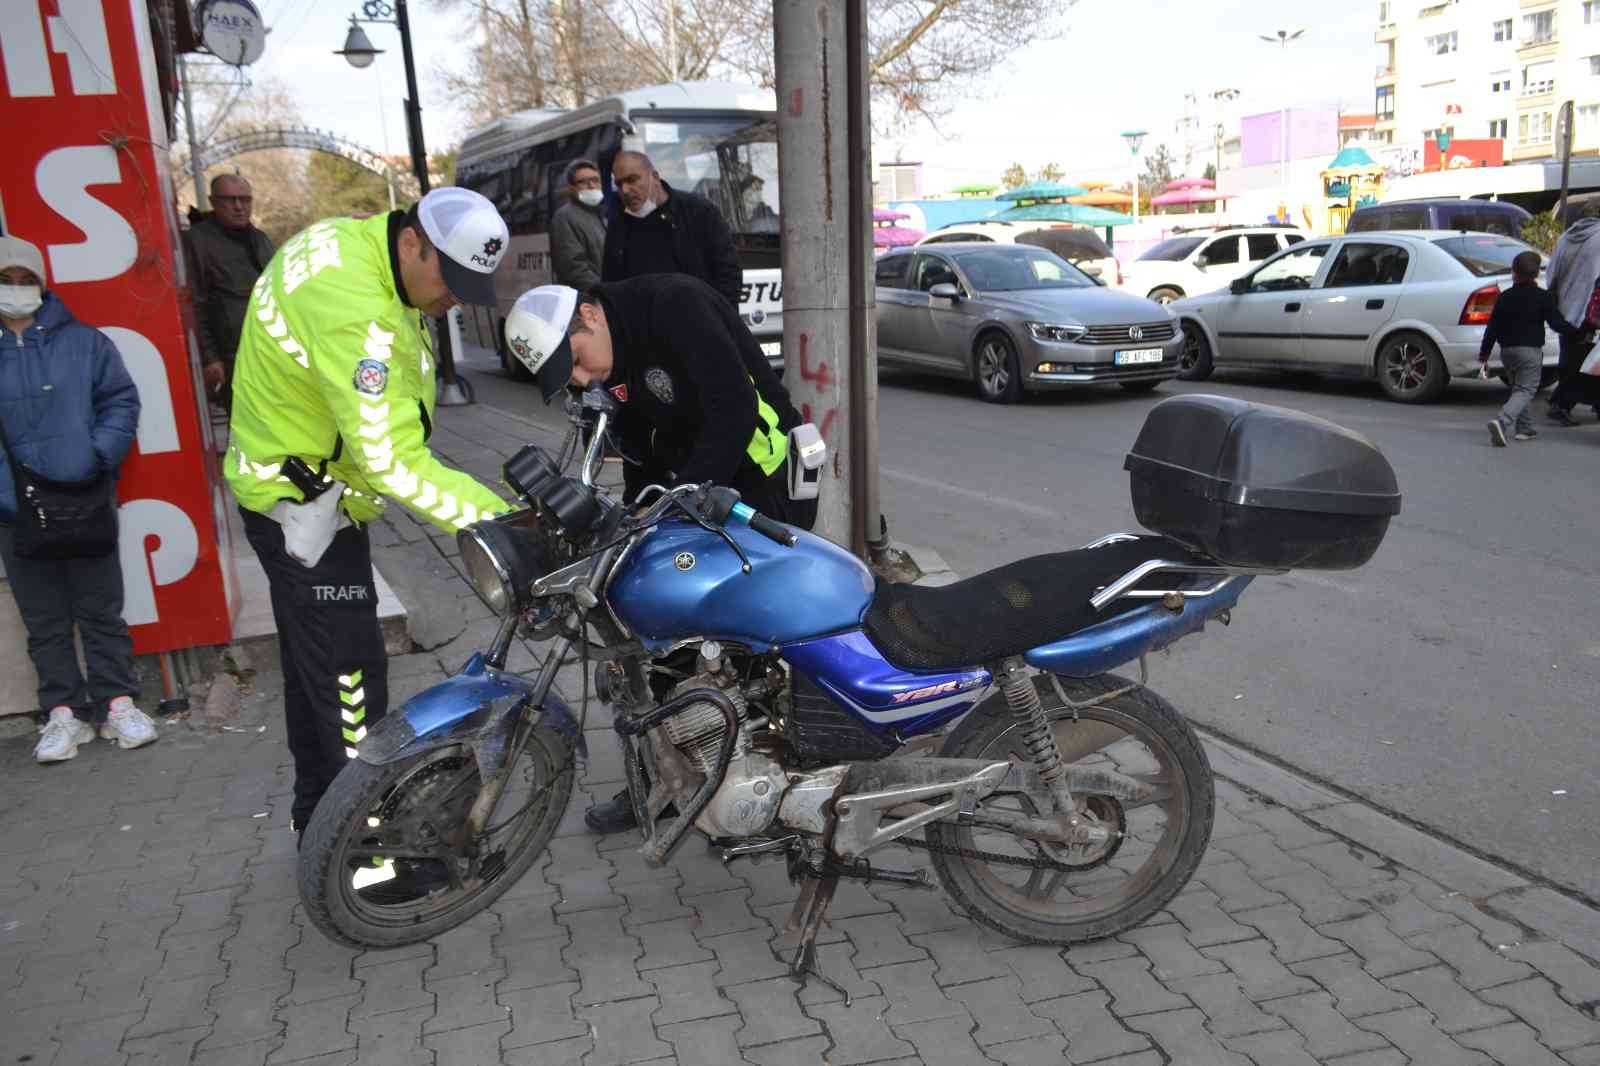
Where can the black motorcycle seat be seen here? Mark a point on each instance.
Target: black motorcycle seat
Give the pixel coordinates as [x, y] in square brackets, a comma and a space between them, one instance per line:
[1011, 609]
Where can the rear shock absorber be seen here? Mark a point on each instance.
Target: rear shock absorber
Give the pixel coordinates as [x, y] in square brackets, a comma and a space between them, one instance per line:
[1037, 736]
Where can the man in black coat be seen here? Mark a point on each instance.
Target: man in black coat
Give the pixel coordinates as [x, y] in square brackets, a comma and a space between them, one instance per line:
[226, 254]
[653, 228]
[699, 403]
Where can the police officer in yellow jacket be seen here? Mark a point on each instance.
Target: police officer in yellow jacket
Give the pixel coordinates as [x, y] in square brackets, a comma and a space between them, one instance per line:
[333, 404]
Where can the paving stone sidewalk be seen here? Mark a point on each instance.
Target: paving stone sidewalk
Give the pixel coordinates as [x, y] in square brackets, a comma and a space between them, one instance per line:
[149, 915]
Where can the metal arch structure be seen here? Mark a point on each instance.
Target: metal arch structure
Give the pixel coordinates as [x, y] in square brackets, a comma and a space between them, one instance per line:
[293, 137]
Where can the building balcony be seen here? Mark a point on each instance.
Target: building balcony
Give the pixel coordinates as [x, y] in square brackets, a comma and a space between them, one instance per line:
[1385, 76]
[1530, 99]
[1535, 5]
[1531, 150]
[1537, 47]
[1387, 32]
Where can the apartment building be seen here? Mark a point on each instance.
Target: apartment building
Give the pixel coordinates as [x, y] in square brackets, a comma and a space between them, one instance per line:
[1489, 69]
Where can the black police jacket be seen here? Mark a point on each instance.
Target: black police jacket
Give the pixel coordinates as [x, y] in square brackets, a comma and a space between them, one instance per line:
[687, 372]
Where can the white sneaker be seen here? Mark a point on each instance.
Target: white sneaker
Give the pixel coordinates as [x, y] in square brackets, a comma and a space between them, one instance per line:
[128, 725]
[62, 735]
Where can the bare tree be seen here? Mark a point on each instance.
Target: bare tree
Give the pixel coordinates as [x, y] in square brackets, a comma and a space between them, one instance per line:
[562, 53]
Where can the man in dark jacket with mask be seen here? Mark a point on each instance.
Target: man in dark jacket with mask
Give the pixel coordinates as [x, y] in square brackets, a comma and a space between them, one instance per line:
[656, 229]
[577, 230]
[226, 255]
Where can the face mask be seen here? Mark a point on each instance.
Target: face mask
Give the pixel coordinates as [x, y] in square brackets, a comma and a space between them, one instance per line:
[20, 301]
[643, 211]
[590, 197]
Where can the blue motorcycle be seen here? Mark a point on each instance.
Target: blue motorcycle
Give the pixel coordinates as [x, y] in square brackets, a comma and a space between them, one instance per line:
[769, 693]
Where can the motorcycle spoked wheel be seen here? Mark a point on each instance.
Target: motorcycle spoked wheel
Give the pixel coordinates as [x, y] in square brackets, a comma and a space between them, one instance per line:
[1110, 888]
[410, 805]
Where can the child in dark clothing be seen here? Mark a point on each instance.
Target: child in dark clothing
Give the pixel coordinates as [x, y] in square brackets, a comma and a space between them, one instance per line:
[1517, 325]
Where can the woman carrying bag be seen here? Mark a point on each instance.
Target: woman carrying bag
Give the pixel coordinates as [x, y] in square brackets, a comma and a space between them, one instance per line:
[68, 415]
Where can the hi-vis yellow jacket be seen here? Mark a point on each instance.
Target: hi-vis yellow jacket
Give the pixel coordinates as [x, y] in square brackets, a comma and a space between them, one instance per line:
[333, 366]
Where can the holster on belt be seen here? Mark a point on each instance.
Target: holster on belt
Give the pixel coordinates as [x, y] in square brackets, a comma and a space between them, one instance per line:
[309, 527]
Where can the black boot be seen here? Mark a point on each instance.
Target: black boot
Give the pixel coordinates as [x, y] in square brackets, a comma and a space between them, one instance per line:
[612, 816]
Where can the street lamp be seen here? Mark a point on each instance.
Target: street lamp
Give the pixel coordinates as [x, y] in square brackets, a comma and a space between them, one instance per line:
[359, 53]
[1135, 138]
[1282, 41]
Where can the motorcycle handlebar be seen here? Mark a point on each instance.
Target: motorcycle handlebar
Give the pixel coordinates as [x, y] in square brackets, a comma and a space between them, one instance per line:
[774, 531]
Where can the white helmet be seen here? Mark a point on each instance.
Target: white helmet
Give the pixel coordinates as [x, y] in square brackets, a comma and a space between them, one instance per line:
[536, 333]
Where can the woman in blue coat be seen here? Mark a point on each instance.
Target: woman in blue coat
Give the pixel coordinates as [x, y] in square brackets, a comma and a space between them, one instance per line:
[69, 411]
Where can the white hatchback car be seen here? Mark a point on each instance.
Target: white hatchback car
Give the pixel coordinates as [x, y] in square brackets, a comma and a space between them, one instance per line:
[1194, 263]
[1408, 309]
[1081, 247]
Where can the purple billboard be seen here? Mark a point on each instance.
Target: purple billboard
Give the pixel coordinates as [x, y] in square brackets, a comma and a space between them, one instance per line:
[1313, 131]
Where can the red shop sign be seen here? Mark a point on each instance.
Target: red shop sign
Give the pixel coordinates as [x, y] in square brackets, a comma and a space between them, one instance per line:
[85, 178]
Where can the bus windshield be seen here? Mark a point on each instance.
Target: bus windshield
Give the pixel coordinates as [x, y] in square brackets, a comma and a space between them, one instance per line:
[731, 160]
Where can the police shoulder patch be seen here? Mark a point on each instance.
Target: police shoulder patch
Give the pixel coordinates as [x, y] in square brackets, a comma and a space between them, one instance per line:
[372, 377]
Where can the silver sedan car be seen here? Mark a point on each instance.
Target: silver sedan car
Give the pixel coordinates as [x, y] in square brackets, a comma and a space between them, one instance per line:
[1013, 317]
[1407, 308]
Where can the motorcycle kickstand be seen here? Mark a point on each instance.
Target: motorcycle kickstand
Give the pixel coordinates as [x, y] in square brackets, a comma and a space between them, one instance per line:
[816, 896]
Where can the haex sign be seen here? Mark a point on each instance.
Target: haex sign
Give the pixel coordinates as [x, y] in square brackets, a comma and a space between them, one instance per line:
[86, 180]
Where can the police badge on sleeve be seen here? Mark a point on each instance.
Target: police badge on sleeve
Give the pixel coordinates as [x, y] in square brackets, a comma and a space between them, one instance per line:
[372, 377]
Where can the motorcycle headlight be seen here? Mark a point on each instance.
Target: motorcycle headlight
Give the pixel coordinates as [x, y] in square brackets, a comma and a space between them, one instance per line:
[501, 557]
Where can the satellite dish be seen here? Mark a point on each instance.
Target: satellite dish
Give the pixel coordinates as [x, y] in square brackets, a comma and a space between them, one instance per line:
[232, 30]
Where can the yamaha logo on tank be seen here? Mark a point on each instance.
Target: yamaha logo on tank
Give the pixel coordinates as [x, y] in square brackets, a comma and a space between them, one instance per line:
[684, 561]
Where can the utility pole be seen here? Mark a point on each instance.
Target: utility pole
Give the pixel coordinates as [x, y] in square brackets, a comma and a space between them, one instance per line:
[201, 199]
[829, 333]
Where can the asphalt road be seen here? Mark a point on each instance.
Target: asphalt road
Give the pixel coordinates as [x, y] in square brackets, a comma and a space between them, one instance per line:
[1454, 680]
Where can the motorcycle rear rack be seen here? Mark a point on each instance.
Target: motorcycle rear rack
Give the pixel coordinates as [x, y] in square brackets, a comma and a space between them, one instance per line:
[1123, 587]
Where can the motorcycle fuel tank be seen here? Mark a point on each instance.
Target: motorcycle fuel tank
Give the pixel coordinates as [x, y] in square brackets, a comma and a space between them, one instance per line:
[682, 581]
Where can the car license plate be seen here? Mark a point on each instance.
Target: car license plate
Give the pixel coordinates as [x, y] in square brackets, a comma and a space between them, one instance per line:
[1139, 355]
[771, 348]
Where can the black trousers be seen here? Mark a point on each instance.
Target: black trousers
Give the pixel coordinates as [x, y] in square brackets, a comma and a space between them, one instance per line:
[769, 494]
[335, 672]
[56, 596]
[1573, 388]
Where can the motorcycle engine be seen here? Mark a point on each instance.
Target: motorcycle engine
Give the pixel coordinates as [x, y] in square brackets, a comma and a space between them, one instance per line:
[747, 801]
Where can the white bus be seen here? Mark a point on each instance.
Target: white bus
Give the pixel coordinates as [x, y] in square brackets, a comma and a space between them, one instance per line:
[708, 138]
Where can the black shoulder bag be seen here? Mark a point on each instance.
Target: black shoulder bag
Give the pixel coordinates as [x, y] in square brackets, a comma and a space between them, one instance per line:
[61, 519]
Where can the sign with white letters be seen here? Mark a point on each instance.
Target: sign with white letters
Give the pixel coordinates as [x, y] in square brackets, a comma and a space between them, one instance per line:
[86, 180]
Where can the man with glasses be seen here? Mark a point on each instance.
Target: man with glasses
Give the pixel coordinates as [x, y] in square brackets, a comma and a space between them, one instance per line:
[226, 254]
[577, 232]
[332, 409]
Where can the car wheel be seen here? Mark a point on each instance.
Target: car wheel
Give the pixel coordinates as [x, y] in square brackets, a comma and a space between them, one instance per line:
[1410, 369]
[995, 367]
[508, 362]
[1194, 362]
[1165, 294]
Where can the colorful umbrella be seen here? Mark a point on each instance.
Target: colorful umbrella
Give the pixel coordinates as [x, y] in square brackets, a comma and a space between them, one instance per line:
[885, 234]
[1188, 196]
[1102, 198]
[1190, 183]
[883, 214]
[1095, 186]
[1078, 213]
[1041, 190]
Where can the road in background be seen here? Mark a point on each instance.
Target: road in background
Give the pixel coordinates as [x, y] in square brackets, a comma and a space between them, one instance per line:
[1455, 679]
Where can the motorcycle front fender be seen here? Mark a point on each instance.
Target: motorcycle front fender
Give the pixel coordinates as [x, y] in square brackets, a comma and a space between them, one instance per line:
[477, 707]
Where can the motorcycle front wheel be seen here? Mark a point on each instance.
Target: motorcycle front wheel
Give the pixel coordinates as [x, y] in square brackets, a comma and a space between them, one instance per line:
[380, 862]
[1054, 894]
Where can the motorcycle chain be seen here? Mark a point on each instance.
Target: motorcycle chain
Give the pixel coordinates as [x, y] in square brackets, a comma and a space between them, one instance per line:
[1038, 862]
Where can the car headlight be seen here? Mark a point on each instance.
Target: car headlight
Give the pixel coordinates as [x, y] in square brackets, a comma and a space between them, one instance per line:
[1056, 331]
[501, 557]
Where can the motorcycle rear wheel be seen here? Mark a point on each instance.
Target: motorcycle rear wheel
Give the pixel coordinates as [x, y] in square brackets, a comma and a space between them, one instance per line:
[409, 805]
[1111, 889]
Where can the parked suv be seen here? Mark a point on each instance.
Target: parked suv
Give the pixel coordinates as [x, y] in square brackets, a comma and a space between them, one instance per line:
[1080, 247]
[1204, 261]
[1453, 213]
